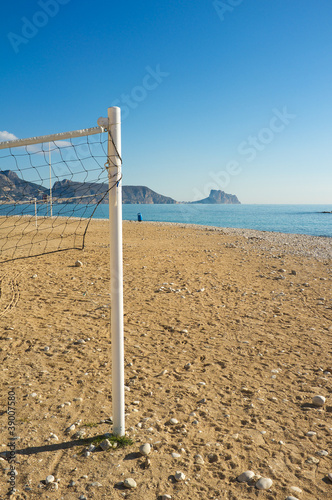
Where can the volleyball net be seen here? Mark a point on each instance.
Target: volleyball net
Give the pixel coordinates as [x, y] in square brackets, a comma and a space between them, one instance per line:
[50, 188]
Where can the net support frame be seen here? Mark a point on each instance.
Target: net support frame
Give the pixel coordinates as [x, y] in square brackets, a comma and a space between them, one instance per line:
[17, 143]
[114, 167]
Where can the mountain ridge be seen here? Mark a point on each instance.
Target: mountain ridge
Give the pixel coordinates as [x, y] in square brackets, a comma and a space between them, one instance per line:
[14, 189]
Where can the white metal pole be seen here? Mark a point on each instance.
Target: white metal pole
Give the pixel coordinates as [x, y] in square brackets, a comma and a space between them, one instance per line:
[52, 137]
[50, 163]
[115, 215]
[36, 212]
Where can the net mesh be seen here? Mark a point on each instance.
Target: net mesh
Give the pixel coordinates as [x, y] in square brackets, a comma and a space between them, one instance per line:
[48, 194]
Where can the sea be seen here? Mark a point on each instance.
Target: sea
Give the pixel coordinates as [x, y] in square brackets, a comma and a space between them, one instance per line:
[297, 219]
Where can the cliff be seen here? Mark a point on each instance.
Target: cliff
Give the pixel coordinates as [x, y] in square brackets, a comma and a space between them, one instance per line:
[217, 197]
[143, 194]
[14, 189]
[95, 191]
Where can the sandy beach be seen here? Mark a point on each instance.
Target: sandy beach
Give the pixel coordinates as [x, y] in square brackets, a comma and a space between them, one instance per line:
[227, 341]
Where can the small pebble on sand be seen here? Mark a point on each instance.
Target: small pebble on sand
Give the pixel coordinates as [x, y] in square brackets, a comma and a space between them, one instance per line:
[70, 429]
[318, 400]
[105, 445]
[129, 483]
[264, 483]
[296, 489]
[145, 449]
[199, 459]
[245, 476]
[322, 453]
[179, 476]
[312, 461]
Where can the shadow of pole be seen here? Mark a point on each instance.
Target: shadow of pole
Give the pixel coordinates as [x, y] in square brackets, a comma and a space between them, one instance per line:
[34, 450]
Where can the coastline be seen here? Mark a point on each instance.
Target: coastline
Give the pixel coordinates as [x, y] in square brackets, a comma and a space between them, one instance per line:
[286, 219]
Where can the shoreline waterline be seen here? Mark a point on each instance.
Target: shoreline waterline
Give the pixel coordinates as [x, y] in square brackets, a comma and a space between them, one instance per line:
[220, 228]
[285, 219]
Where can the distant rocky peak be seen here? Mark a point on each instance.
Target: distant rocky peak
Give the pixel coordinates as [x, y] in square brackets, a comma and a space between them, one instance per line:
[217, 196]
[10, 174]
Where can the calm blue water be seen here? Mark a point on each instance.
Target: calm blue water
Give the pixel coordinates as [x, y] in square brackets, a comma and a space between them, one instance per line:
[301, 219]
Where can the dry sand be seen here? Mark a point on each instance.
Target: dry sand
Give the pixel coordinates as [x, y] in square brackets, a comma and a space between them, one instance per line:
[227, 332]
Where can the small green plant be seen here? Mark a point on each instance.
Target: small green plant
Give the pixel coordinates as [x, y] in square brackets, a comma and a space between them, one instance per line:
[90, 424]
[118, 441]
[121, 441]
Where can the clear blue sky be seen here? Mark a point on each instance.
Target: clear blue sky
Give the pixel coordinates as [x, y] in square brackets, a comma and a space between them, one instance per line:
[232, 95]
